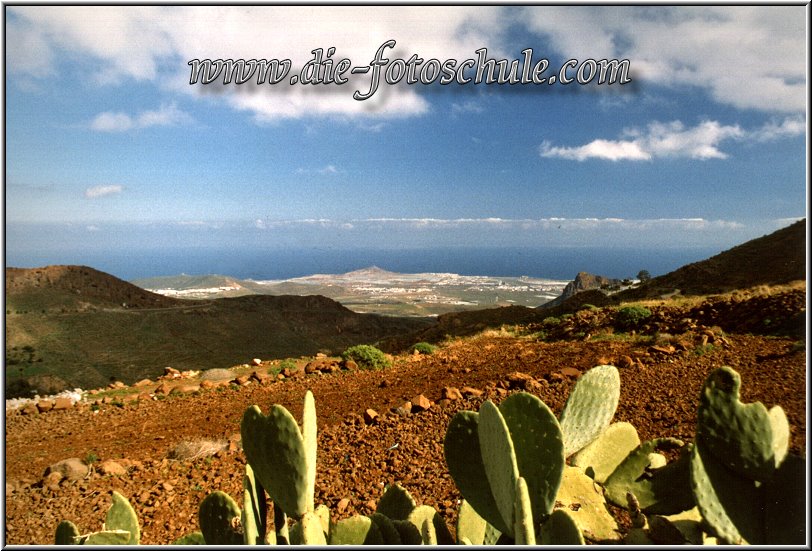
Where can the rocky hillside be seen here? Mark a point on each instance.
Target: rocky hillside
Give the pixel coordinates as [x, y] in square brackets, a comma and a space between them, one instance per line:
[779, 257]
[71, 326]
[584, 281]
[74, 288]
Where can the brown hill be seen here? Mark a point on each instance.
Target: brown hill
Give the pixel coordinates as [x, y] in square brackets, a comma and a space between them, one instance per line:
[779, 257]
[58, 288]
[70, 326]
[774, 259]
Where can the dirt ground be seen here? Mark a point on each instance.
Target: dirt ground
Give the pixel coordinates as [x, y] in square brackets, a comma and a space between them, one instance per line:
[659, 395]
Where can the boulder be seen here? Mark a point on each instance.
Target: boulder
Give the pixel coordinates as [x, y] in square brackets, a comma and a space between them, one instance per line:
[625, 362]
[256, 362]
[521, 381]
[242, 380]
[70, 469]
[370, 416]
[470, 391]
[63, 402]
[349, 365]
[171, 373]
[52, 480]
[420, 403]
[142, 382]
[570, 372]
[404, 409]
[450, 393]
[206, 384]
[44, 405]
[112, 468]
[163, 388]
[260, 377]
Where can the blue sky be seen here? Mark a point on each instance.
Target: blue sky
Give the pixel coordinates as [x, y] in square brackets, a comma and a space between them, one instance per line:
[109, 146]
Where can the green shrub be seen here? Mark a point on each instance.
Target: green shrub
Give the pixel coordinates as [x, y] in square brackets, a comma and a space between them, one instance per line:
[366, 356]
[587, 306]
[424, 348]
[551, 321]
[630, 317]
[287, 364]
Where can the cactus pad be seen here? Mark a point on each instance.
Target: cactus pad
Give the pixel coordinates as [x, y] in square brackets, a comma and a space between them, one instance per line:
[590, 407]
[357, 530]
[523, 526]
[396, 503]
[470, 525]
[121, 516]
[561, 529]
[736, 434]
[219, 518]
[467, 468]
[66, 533]
[274, 447]
[601, 457]
[539, 448]
[666, 491]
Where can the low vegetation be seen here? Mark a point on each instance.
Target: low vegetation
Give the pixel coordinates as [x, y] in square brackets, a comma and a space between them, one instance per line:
[423, 348]
[631, 317]
[367, 357]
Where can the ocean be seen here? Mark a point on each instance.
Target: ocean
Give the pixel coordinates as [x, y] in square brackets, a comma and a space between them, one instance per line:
[264, 264]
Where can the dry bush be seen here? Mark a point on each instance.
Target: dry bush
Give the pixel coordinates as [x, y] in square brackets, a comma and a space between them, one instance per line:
[189, 450]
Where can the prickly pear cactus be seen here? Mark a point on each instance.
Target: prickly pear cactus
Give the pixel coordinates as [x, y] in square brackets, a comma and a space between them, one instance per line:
[66, 533]
[747, 488]
[590, 407]
[438, 528]
[523, 525]
[470, 525]
[121, 516]
[539, 447]
[283, 458]
[561, 529]
[600, 458]
[219, 518]
[357, 530]
[396, 503]
[106, 537]
[521, 437]
[664, 491]
[255, 509]
[740, 436]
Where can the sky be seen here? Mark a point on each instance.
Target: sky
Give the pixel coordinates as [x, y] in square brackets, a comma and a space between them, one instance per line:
[109, 146]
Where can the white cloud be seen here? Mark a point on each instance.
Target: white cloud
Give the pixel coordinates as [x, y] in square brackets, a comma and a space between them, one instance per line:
[112, 122]
[327, 170]
[673, 140]
[466, 107]
[103, 191]
[92, 228]
[166, 115]
[750, 57]
[553, 224]
[260, 224]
